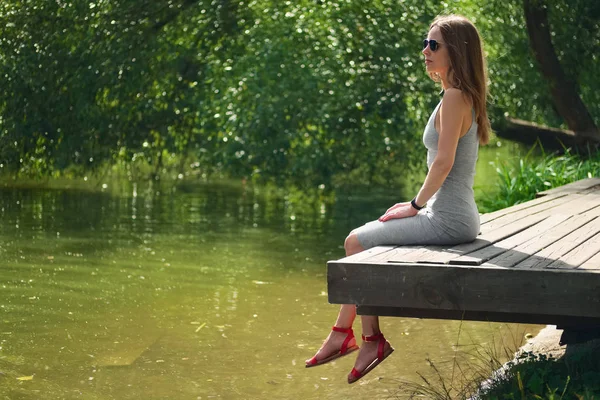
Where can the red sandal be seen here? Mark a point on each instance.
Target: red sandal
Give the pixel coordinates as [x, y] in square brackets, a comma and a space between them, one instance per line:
[343, 351]
[381, 355]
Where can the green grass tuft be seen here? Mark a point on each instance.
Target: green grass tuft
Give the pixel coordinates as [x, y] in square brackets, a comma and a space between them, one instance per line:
[519, 183]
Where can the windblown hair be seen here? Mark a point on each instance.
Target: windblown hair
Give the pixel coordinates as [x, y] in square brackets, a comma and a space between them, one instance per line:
[467, 71]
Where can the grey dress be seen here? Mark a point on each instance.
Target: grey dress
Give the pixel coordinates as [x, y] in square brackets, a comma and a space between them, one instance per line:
[451, 215]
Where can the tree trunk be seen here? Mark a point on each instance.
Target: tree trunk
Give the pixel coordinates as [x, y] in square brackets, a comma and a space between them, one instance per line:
[550, 138]
[565, 94]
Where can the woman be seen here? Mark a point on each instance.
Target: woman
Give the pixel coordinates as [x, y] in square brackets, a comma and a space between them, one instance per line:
[453, 57]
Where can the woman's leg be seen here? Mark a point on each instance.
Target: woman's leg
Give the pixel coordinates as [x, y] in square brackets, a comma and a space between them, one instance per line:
[347, 312]
[368, 350]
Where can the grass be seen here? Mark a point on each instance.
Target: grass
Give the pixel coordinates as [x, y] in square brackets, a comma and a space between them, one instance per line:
[481, 373]
[531, 174]
[471, 365]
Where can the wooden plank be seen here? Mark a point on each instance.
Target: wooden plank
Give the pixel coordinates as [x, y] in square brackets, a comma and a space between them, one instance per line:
[510, 219]
[548, 255]
[363, 255]
[591, 264]
[427, 286]
[442, 256]
[396, 253]
[588, 202]
[480, 256]
[578, 255]
[571, 204]
[573, 187]
[568, 205]
[466, 315]
[416, 255]
[519, 253]
[436, 254]
[535, 205]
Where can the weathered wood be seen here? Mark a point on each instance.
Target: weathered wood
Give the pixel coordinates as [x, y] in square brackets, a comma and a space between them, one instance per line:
[521, 252]
[435, 287]
[415, 256]
[579, 255]
[532, 206]
[549, 254]
[397, 252]
[573, 187]
[491, 316]
[508, 219]
[592, 263]
[442, 256]
[582, 204]
[480, 256]
[575, 203]
[515, 226]
[363, 255]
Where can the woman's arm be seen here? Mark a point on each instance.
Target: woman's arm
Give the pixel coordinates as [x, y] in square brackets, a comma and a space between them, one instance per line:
[454, 107]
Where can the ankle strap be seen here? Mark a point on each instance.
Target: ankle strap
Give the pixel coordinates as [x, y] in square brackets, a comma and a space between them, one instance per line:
[373, 338]
[342, 330]
[380, 346]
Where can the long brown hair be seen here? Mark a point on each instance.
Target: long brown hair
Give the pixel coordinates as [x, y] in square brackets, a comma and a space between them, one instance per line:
[467, 70]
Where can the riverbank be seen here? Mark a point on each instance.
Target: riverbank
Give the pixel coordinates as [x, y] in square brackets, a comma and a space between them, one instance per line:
[543, 368]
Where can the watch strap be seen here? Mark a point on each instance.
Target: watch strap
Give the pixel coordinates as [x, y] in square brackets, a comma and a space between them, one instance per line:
[414, 204]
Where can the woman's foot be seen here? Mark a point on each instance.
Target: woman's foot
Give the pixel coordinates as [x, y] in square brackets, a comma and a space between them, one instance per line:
[373, 351]
[340, 342]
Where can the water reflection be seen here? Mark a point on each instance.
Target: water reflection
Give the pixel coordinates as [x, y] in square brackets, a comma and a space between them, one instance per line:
[205, 291]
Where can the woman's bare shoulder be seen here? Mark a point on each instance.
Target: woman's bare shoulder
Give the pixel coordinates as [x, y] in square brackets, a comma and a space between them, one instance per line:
[456, 99]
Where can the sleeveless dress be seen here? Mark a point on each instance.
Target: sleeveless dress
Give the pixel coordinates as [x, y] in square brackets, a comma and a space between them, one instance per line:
[451, 216]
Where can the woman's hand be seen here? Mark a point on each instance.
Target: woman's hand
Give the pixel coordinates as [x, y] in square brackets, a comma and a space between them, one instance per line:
[399, 210]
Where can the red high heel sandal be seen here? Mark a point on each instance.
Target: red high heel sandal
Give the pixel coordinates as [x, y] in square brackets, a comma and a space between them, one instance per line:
[381, 355]
[343, 351]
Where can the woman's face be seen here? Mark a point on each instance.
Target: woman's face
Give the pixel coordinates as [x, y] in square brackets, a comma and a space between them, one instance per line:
[438, 60]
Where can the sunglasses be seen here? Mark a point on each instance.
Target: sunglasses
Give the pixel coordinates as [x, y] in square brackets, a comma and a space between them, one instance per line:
[432, 43]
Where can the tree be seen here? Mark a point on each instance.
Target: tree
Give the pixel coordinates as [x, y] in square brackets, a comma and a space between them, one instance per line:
[309, 92]
[564, 89]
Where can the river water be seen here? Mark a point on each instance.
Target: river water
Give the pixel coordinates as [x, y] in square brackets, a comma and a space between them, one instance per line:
[196, 291]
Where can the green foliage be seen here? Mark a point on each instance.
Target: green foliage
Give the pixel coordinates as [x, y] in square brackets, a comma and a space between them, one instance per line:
[532, 174]
[537, 376]
[309, 91]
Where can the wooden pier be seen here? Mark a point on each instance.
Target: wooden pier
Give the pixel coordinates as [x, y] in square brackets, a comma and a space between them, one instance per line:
[537, 262]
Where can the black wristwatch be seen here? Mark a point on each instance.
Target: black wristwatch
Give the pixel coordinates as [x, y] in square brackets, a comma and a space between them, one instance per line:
[414, 204]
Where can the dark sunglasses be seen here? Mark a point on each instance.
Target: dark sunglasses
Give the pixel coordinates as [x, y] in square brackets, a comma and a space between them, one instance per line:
[433, 44]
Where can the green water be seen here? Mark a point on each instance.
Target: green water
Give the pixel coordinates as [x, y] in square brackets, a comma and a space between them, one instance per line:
[199, 291]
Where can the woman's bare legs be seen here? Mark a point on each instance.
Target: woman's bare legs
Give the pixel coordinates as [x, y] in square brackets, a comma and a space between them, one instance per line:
[347, 313]
[370, 324]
